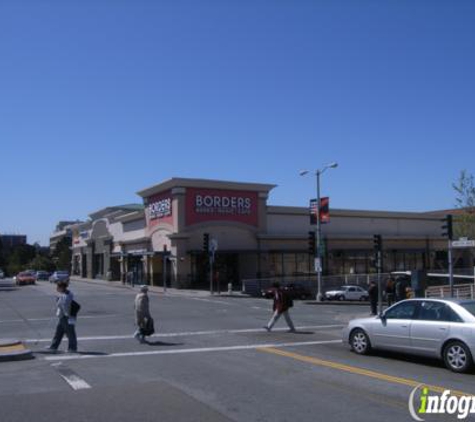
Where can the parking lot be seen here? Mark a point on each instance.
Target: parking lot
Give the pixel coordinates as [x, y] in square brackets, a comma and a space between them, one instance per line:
[210, 360]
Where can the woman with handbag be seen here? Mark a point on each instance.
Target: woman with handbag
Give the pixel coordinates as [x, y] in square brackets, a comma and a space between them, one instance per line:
[66, 318]
[143, 319]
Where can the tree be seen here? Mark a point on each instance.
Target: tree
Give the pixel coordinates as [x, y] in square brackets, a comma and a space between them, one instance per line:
[42, 263]
[62, 254]
[465, 201]
[19, 258]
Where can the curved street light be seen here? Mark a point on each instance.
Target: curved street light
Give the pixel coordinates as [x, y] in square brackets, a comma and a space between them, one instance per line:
[318, 231]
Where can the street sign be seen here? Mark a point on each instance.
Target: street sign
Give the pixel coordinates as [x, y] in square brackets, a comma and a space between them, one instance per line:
[213, 245]
[463, 243]
[318, 265]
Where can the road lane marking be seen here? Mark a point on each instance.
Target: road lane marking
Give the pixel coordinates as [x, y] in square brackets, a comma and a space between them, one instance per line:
[222, 302]
[5, 321]
[73, 379]
[359, 371]
[185, 351]
[195, 333]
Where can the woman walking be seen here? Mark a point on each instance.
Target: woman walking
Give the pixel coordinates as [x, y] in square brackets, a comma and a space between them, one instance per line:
[142, 314]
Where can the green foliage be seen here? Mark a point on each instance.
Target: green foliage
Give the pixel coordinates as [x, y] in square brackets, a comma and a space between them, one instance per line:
[20, 258]
[465, 200]
[42, 263]
[62, 254]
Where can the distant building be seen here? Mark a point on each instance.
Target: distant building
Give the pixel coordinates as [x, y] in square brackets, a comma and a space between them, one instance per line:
[10, 241]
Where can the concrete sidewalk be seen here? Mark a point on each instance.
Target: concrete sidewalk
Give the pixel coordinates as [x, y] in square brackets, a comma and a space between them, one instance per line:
[158, 289]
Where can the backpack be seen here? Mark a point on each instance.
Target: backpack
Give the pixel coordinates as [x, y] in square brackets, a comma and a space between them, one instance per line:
[75, 307]
[287, 299]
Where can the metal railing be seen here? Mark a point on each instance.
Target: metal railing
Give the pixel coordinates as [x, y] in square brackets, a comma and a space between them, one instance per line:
[461, 291]
[434, 278]
[254, 287]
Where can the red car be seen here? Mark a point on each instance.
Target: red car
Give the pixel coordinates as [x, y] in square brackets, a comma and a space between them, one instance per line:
[24, 278]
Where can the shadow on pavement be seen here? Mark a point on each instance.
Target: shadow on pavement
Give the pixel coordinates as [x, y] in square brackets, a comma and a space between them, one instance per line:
[60, 352]
[162, 343]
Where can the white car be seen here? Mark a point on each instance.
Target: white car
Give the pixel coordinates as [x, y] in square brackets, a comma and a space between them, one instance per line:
[437, 328]
[347, 293]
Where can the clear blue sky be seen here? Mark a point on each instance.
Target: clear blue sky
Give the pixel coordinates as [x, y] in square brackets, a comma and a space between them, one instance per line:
[99, 99]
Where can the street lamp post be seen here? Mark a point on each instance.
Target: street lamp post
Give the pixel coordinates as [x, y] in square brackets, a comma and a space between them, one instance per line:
[318, 230]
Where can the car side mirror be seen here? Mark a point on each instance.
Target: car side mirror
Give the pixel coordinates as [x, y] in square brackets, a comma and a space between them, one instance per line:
[382, 316]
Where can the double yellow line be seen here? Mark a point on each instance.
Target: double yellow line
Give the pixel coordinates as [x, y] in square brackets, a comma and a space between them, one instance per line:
[360, 371]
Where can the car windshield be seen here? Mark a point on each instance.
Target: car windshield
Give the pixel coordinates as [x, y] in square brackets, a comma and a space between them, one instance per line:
[469, 306]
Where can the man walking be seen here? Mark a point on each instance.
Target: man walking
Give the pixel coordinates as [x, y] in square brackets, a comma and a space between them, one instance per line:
[66, 321]
[281, 306]
[373, 297]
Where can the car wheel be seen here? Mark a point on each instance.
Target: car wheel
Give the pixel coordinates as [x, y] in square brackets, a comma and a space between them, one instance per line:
[362, 298]
[341, 297]
[359, 342]
[457, 357]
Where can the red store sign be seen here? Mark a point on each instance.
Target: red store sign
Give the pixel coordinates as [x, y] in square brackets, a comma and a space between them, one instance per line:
[204, 205]
[159, 209]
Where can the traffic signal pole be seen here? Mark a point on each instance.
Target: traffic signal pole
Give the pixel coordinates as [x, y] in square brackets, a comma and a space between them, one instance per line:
[451, 269]
[447, 228]
[318, 254]
[378, 247]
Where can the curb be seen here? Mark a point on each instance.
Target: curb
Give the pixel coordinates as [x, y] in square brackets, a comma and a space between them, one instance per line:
[171, 291]
[12, 350]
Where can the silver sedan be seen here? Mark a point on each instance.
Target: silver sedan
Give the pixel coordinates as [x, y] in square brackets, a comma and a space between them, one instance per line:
[440, 328]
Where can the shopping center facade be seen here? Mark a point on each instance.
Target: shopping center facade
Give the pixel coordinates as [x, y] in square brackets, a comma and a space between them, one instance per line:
[161, 240]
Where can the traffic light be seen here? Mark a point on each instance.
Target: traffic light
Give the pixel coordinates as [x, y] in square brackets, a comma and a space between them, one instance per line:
[378, 243]
[206, 242]
[311, 243]
[447, 227]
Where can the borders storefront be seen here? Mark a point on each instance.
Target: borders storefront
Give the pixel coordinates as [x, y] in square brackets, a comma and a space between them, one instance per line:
[161, 240]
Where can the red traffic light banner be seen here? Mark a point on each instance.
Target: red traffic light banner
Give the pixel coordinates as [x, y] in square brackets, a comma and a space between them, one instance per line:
[324, 210]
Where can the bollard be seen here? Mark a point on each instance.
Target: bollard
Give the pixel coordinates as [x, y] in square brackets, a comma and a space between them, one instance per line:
[230, 288]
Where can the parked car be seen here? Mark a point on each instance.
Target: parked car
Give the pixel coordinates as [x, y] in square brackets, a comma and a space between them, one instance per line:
[438, 328]
[347, 293]
[295, 291]
[59, 276]
[42, 276]
[25, 278]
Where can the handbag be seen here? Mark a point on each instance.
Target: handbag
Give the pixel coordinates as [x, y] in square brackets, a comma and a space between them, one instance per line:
[149, 328]
[75, 307]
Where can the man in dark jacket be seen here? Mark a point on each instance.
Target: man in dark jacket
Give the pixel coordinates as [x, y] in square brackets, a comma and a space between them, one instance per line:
[373, 297]
[400, 289]
[280, 307]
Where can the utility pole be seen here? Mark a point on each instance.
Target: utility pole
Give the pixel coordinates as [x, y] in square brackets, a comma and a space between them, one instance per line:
[447, 231]
[378, 249]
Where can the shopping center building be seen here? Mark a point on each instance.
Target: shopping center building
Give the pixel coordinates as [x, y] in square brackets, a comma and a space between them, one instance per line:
[161, 239]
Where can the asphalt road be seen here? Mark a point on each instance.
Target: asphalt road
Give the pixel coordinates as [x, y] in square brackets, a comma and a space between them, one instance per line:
[211, 360]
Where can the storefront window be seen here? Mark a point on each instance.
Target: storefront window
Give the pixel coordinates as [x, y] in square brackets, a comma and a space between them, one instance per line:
[303, 263]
